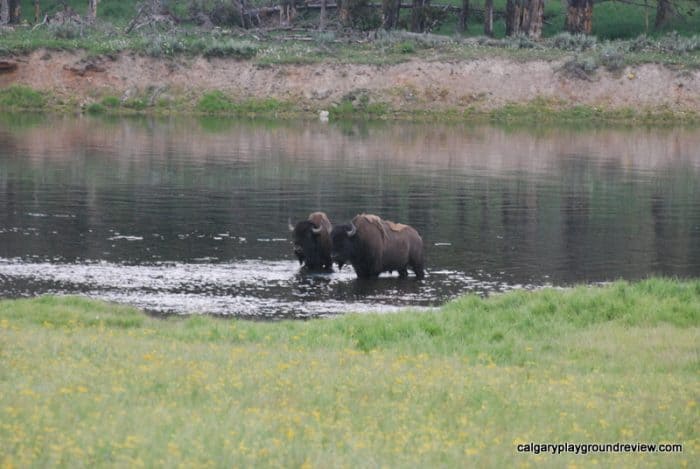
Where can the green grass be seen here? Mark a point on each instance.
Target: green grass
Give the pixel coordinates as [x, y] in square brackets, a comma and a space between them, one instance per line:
[95, 108]
[354, 106]
[110, 102]
[84, 383]
[547, 111]
[21, 97]
[218, 102]
[359, 106]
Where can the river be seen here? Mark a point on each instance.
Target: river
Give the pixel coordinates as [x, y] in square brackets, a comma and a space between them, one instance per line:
[189, 215]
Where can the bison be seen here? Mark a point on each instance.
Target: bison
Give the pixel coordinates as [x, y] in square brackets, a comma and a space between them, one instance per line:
[373, 246]
[312, 242]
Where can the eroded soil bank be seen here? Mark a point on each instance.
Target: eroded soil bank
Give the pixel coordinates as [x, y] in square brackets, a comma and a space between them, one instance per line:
[481, 84]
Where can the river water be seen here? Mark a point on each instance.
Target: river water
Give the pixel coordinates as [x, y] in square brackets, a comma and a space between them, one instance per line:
[190, 215]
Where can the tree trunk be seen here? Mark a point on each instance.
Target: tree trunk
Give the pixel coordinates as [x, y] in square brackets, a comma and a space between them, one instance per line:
[664, 12]
[513, 17]
[242, 9]
[92, 9]
[286, 12]
[533, 16]
[4, 11]
[37, 11]
[417, 16]
[534, 29]
[14, 11]
[488, 18]
[463, 17]
[418, 22]
[579, 15]
[344, 12]
[646, 17]
[398, 12]
[322, 17]
[390, 16]
[524, 17]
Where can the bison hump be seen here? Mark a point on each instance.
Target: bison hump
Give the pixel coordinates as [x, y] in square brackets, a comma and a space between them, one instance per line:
[396, 226]
[373, 220]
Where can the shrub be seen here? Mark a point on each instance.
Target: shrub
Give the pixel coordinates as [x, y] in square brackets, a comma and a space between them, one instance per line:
[640, 43]
[137, 104]
[95, 108]
[612, 58]
[677, 44]
[573, 42]
[66, 30]
[519, 41]
[407, 47]
[401, 40]
[164, 45]
[230, 48]
[580, 67]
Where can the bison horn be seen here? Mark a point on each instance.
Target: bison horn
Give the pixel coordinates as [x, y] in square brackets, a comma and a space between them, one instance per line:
[289, 224]
[316, 230]
[353, 230]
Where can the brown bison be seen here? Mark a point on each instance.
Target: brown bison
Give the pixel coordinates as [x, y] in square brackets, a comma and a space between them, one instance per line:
[312, 242]
[373, 246]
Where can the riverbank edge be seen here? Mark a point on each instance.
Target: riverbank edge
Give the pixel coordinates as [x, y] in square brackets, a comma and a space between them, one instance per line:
[582, 304]
[421, 90]
[538, 111]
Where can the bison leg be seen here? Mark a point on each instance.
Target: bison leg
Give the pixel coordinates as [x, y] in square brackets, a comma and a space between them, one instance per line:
[327, 264]
[403, 273]
[418, 269]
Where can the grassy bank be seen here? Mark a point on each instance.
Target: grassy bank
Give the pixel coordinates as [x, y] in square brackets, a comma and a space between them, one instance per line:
[17, 99]
[381, 47]
[577, 61]
[84, 383]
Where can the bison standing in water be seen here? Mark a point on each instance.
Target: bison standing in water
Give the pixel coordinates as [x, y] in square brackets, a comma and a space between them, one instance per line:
[312, 242]
[373, 246]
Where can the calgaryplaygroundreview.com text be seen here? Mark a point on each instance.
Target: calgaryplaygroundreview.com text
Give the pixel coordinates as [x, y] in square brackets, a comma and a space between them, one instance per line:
[586, 448]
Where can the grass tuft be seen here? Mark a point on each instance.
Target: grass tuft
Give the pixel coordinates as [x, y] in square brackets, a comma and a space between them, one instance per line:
[21, 97]
[95, 108]
[215, 102]
[110, 102]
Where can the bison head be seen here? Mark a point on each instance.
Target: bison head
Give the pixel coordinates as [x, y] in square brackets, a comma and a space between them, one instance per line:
[306, 245]
[342, 238]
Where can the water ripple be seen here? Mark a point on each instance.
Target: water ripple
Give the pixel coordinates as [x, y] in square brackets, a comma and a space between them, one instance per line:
[249, 288]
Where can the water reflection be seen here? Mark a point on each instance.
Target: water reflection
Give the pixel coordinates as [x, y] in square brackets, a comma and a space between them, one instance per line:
[191, 215]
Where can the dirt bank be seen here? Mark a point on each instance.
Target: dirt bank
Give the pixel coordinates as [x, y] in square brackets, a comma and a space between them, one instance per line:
[483, 84]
